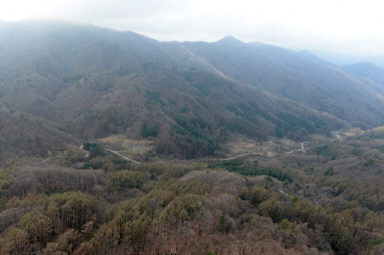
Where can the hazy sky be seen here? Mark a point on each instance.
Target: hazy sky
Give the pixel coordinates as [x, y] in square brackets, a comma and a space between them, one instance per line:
[346, 26]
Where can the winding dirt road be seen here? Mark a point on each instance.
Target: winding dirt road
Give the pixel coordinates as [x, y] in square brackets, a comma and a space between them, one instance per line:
[302, 148]
[112, 151]
[122, 156]
[86, 152]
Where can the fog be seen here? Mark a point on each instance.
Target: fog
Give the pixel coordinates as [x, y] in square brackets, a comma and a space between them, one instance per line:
[334, 26]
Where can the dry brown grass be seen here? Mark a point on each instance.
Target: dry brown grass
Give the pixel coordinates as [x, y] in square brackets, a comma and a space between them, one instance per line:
[127, 146]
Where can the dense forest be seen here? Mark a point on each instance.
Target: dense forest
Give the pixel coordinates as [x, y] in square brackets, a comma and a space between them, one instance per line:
[70, 83]
[115, 143]
[101, 204]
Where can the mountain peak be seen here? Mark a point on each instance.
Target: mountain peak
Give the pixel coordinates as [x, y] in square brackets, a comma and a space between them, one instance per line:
[229, 40]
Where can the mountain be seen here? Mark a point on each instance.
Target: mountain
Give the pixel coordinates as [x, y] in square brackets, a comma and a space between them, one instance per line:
[341, 59]
[366, 70]
[186, 97]
[26, 135]
[297, 76]
[243, 110]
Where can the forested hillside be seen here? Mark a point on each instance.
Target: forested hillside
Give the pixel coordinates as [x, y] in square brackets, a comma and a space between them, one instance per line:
[115, 143]
[366, 70]
[95, 82]
[325, 199]
[298, 76]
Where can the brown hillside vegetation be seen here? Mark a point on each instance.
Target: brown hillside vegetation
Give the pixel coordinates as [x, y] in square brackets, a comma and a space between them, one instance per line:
[24, 135]
[237, 206]
[186, 97]
[114, 143]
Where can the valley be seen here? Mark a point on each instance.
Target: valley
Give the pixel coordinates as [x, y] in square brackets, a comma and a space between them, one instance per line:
[281, 197]
[115, 143]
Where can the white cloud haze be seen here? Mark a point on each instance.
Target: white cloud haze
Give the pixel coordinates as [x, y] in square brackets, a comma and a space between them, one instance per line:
[347, 26]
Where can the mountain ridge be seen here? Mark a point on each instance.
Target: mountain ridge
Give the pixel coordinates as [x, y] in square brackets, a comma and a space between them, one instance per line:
[366, 70]
[97, 82]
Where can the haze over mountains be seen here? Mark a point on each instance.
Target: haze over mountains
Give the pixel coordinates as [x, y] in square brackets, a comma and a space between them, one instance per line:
[87, 82]
[350, 59]
[114, 143]
[366, 70]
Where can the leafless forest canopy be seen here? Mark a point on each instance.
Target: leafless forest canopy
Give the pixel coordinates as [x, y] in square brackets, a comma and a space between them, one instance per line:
[115, 143]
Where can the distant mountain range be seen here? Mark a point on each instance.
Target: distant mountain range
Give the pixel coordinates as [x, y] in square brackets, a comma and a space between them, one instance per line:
[366, 70]
[83, 82]
[342, 59]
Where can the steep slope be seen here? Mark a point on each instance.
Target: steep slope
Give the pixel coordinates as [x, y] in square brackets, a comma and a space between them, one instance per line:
[26, 135]
[366, 70]
[96, 82]
[297, 76]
